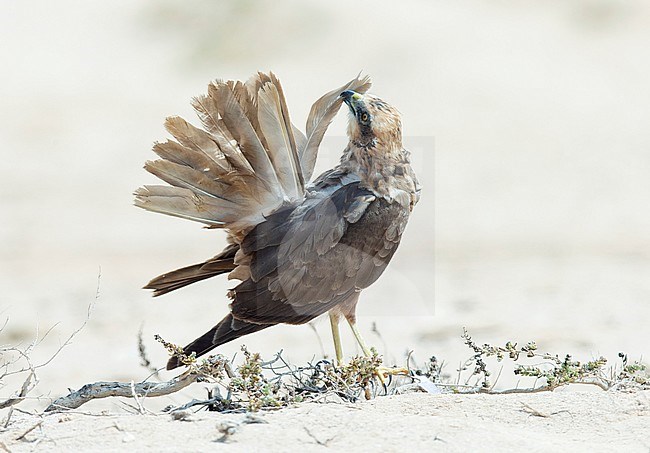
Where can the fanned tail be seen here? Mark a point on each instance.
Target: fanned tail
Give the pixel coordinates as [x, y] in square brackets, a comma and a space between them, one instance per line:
[247, 160]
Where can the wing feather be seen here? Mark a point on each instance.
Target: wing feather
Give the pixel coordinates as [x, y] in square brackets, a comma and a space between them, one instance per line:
[309, 261]
[320, 116]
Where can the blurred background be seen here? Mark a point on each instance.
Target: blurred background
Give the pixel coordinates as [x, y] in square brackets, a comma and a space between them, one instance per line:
[529, 124]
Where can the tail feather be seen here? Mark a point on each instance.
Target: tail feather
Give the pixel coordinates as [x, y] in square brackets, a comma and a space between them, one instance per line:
[301, 142]
[227, 330]
[206, 108]
[284, 110]
[248, 103]
[187, 178]
[198, 140]
[175, 152]
[247, 160]
[187, 275]
[222, 263]
[280, 141]
[179, 202]
[240, 127]
[288, 129]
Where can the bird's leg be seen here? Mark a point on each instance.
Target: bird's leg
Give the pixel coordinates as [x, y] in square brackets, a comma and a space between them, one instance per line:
[348, 309]
[336, 336]
[382, 371]
[353, 325]
[357, 335]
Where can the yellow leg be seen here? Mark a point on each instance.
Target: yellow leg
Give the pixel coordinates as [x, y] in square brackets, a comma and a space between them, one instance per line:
[382, 371]
[357, 335]
[336, 336]
[364, 348]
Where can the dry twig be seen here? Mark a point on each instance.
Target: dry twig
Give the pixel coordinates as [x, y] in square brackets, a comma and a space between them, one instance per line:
[20, 360]
[29, 430]
[99, 390]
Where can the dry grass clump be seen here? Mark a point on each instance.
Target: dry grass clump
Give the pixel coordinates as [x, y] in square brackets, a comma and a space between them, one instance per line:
[549, 371]
[254, 384]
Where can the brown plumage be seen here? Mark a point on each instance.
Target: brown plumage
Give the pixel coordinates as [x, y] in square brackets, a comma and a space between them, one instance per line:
[299, 249]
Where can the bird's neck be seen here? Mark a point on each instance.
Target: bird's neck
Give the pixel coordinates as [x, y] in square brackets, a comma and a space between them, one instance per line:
[383, 171]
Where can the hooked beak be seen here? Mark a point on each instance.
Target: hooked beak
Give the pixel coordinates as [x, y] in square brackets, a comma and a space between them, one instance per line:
[351, 98]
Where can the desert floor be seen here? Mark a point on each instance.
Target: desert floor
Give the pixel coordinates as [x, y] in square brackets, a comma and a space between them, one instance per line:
[573, 421]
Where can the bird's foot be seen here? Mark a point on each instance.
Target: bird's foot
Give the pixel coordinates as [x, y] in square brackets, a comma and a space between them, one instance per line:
[383, 371]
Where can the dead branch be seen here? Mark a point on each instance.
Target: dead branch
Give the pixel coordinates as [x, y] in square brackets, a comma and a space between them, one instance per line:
[100, 390]
[250, 388]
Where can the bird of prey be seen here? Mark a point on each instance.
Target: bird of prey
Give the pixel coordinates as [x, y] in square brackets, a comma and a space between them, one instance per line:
[299, 248]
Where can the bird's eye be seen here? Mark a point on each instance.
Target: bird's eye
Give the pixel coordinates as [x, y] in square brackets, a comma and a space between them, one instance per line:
[364, 117]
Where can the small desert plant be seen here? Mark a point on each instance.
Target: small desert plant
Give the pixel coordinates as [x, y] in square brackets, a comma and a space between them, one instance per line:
[256, 385]
[257, 390]
[554, 370]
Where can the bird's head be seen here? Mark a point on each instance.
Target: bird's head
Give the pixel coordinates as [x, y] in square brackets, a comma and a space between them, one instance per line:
[373, 123]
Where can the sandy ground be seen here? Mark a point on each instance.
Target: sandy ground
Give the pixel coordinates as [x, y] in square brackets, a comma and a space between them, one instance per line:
[528, 126]
[562, 421]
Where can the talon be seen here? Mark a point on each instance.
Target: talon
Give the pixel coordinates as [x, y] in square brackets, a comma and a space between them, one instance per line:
[382, 378]
[383, 371]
